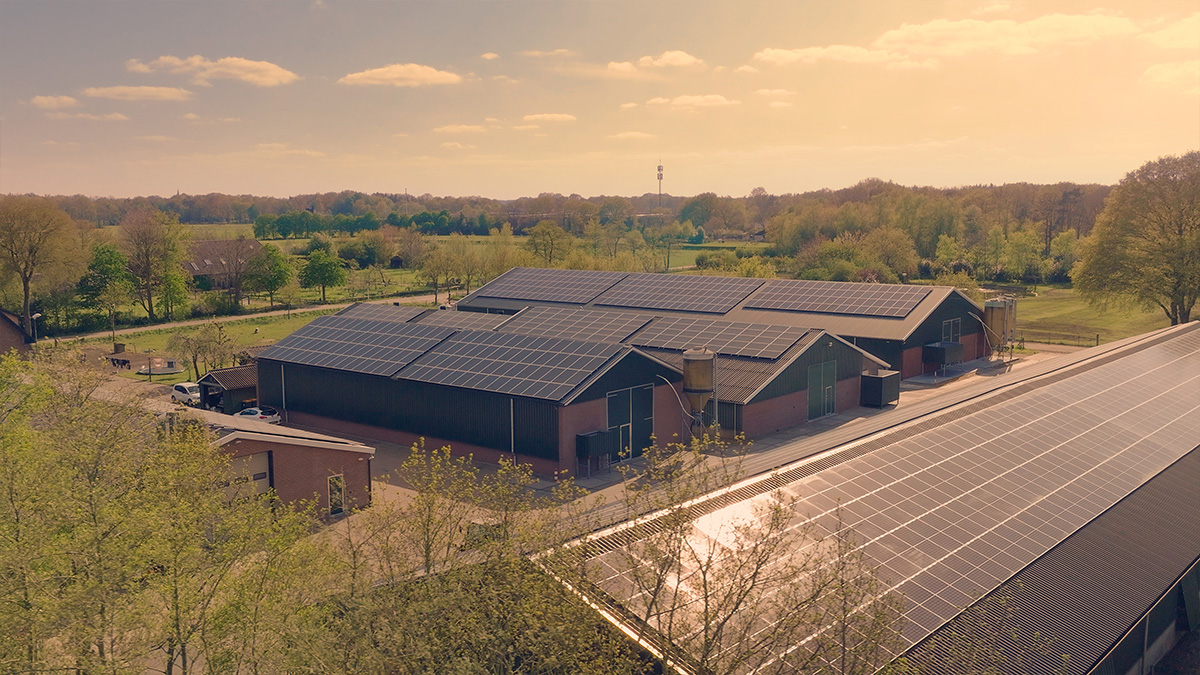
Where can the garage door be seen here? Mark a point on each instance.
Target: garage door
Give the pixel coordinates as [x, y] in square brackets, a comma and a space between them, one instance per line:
[249, 475]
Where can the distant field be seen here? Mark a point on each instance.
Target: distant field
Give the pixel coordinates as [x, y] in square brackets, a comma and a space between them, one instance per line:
[221, 230]
[1058, 315]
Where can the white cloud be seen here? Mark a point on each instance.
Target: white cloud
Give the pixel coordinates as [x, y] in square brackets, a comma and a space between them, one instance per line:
[1183, 34]
[154, 139]
[671, 58]
[202, 70]
[61, 144]
[622, 67]
[109, 117]
[402, 75]
[746, 69]
[52, 102]
[554, 53]
[139, 93]
[283, 149]
[780, 104]
[526, 127]
[841, 53]
[489, 56]
[457, 146]
[505, 79]
[991, 7]
[923, 45]
[460, 129]
[694, 101]
[400, 134]
[491, 119]
[631, 135]
[627, 106]
[1183, 77]
[775, 92]
[193, 117]
[549, 117]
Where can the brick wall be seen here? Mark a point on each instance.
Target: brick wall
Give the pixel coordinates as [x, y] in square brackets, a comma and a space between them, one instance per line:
[302, 473]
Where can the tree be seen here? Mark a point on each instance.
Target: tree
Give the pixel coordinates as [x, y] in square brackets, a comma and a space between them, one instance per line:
[437, 268]
[107, 284]
[1145, 247]
[34, 235]
[154, 243]
[268, 271]
[322, 270]
[549, 242]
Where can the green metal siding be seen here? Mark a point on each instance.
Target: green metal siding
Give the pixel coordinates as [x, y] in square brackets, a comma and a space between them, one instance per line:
[930, 330]
[634, 370]
[794, 378]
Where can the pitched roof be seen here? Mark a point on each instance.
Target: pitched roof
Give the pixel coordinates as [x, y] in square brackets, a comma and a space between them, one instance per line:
[878, 311]
[216, 256]
[962, 500]
[237, 377]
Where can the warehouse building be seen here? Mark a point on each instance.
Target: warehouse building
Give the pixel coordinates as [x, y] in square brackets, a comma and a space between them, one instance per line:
[915, 329]
[1046, 522]
[565, 389]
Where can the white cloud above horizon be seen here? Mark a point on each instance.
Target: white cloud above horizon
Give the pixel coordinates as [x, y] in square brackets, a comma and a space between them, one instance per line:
[139, 93]
[203, 71]
[53, 102]
[402, 75]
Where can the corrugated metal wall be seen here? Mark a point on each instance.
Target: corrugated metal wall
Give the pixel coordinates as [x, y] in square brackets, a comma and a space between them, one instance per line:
[794, 378]
[476, 417]
[954, 306]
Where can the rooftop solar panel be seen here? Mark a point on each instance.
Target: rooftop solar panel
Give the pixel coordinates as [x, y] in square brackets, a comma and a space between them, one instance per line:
[731, 338]
[576, 324]
[948, 514]
[358, 345]
[571, 286]
[688, 293]
[380, 312]
[838, 297]
[520, 365]
[472, 320]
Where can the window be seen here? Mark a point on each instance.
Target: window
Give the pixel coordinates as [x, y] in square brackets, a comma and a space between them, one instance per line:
[337, 494]
[952, 330]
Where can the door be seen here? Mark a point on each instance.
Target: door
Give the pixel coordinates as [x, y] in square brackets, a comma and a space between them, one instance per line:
[631, 416]
[822, 392]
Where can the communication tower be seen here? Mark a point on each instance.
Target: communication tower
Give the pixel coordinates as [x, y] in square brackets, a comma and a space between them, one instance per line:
[660, 185]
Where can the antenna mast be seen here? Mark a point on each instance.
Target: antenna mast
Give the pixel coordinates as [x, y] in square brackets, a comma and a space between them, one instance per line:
[660, 183]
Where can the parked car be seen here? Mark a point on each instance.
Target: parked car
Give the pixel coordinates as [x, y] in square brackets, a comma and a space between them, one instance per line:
[262, 413]
[187, 393]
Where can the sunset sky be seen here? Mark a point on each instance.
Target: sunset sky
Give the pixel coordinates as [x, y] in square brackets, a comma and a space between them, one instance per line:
[509, 98]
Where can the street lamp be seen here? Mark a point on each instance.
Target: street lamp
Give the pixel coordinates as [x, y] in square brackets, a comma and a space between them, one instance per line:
[33, 322]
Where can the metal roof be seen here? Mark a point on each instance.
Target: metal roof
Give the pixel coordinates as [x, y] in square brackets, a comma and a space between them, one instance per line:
[848, 322]
[956, 505]
[237, 377]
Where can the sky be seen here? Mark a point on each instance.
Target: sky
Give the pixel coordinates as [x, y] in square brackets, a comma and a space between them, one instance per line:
[510, 98]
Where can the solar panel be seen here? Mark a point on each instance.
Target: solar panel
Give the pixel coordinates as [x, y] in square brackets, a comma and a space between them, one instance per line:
[521, 365]
[572, 286]
[357, 345]
[731, 338]
[838, 297]
[471, 320]
[576, 324]
[948, 514]
[688, 293]
[379, 312]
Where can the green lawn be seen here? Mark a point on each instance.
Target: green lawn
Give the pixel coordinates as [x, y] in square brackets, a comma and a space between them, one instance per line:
[1057, 314]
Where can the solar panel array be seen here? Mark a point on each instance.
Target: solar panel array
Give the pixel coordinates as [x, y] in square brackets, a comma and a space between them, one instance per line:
[358, 345]
[520, 365]
[472, 320]
[379, 312]
[572, 286]
[724, 337]
[950, 513]
[838, 297]
[685, 293]
[576, 324]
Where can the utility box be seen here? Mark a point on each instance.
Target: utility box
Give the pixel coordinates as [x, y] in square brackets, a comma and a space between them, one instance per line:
[593, 444]
[880, 388]
[942, 353]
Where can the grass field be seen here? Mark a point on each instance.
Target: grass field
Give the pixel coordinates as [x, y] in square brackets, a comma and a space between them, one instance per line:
[1058, 315]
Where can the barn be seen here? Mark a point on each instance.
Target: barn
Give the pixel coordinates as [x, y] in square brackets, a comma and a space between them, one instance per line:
[1043, 522]
[560, 388]
[915, 329]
